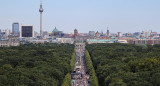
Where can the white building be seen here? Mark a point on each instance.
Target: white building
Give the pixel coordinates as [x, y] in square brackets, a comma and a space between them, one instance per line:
[121, 41]
[38, 41]
[11, 41]
[65, 40]
[92, 33]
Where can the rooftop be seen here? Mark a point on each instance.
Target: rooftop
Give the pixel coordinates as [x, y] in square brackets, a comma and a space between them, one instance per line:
[101, 40]
[55, 30]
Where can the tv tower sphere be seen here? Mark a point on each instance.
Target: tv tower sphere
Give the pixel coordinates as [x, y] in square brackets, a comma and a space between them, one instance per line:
[41, 9]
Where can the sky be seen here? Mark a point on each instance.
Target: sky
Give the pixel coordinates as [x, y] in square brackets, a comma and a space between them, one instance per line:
[84, 15]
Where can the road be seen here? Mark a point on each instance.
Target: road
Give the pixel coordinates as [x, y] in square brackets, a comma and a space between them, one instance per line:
[79, 77]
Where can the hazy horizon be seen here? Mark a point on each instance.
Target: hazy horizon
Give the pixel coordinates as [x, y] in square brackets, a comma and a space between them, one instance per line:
[85, 15]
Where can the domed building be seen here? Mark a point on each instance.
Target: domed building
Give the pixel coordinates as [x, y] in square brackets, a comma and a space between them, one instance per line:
[56, 32]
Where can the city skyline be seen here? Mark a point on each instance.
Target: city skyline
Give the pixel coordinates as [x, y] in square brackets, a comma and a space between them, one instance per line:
[123, 15]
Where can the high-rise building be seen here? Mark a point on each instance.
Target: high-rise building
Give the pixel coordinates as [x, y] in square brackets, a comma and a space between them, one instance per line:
[27, 31]
[7, 32]
[119, 34]
[75, 32]
[92, 33]
[108, 33]
[41, 11]
[15, 29]
[45, 34]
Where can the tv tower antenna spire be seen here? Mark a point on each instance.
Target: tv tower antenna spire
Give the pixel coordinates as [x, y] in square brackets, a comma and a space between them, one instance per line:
[41, 11]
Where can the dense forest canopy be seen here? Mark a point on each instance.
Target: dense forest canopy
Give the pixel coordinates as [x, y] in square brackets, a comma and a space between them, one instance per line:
[35, 64]
[126, 64]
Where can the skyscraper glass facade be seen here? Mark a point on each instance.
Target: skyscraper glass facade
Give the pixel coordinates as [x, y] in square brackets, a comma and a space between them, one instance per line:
[27, 31]
[15, 29]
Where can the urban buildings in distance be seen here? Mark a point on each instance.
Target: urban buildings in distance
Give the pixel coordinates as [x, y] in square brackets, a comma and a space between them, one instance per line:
[26, 34]
[15, 29]
[27, 31]
[11, 41]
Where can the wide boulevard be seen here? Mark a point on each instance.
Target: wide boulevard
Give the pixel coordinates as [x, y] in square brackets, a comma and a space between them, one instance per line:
[79, 76]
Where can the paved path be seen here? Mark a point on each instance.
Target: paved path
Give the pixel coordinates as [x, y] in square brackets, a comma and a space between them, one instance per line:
[79, 76]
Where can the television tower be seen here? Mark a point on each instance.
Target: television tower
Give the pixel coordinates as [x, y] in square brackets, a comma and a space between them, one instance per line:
[41, 10]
